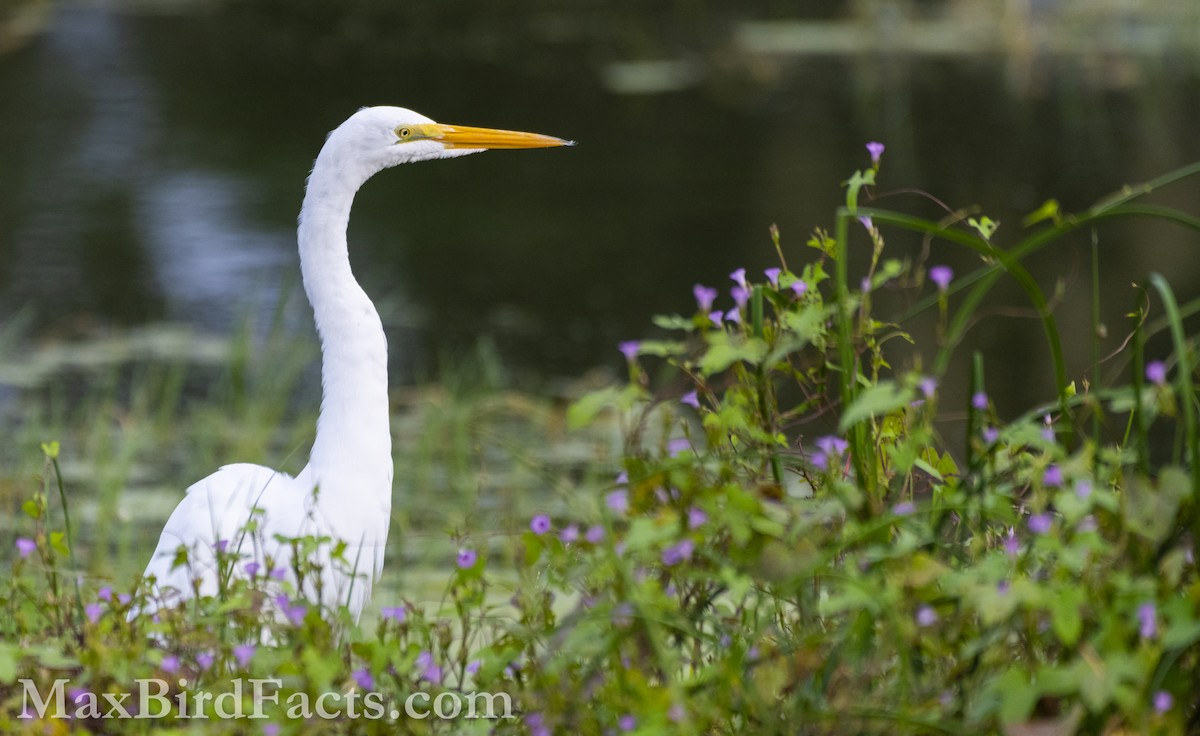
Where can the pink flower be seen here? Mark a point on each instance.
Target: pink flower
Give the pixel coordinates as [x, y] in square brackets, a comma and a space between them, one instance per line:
[942, 276]
[25, 547]
[540, 524]
[876, 150]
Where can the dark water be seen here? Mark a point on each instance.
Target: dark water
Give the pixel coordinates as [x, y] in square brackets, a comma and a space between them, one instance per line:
[151, 168]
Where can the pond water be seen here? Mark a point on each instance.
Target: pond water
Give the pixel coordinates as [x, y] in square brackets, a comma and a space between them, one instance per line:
[152, 168]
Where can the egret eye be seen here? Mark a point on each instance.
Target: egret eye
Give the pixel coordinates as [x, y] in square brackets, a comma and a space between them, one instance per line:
[404, 133]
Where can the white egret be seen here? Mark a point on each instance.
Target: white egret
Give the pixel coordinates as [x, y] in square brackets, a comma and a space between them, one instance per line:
[345, 491]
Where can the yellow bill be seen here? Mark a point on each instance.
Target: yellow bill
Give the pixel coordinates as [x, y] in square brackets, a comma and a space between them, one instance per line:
[462, 136]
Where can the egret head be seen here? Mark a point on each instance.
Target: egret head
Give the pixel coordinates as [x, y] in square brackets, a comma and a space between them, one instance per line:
[376, 138]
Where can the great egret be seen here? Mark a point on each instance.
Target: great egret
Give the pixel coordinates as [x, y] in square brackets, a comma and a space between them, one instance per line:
[239, 514]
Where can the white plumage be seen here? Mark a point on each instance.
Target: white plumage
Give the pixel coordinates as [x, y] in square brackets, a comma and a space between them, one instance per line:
[345, 491]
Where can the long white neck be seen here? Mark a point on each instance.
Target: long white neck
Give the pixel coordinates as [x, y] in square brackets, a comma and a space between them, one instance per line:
[351, 461]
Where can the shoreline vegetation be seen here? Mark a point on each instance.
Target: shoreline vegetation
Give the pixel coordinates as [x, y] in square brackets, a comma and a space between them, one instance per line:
[762, 529]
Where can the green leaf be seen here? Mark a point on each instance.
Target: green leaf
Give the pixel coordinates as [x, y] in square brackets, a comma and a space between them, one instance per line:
[662, 348]
[1048, 211]
[1151, 512]
[855, 184]
[725, 349]
[58, 540]
[1066, 617]
[985, 226]
[585, 410]
[9, 654]
[882, 398]
[32, 509]
[673, 322]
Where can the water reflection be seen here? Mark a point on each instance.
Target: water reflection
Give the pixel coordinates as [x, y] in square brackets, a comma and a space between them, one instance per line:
[153, 168]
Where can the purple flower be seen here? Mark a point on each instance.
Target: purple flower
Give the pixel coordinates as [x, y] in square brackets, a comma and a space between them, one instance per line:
[1040, 523]
[990, 434]
[733, 316]
[279, 573]
[204, 660]
[676, 713]
[363, 679]
[93, 611]
[772, 275]
[691, 399]
[705, 297]
[394, 613]
[866, 222]
[1083, 489]
[1011, 546]
[865, 284]
[739, 278]
[1148, 619]
[979, 400]
[295, 613]
[252, 568]
[170, 664]
[677, 553]
[904, 508]
[270, 729]
[622, 615]
[819, 460]
[537, 724]
[1053, 476]
[876, 150]
[928, 386]
[105, 593]
[740, 295]
[569, 534]
[678, 445]
[629, 349]
[222, 545]
[124, 598]
[716, 317]
[25, 547]
[696, 517]
[429, 669]
[627, 722]
[617, 501]
[466, 558]
[1163, 702]
[926, 616]
[595, 534]
[540, 524]
[473, 667]
[832, 445]
[1156, 372]
[798, 288]
[942, 276]
[243, 653]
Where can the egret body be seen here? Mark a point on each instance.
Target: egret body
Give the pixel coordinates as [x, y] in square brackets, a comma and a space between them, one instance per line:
[345, 491]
